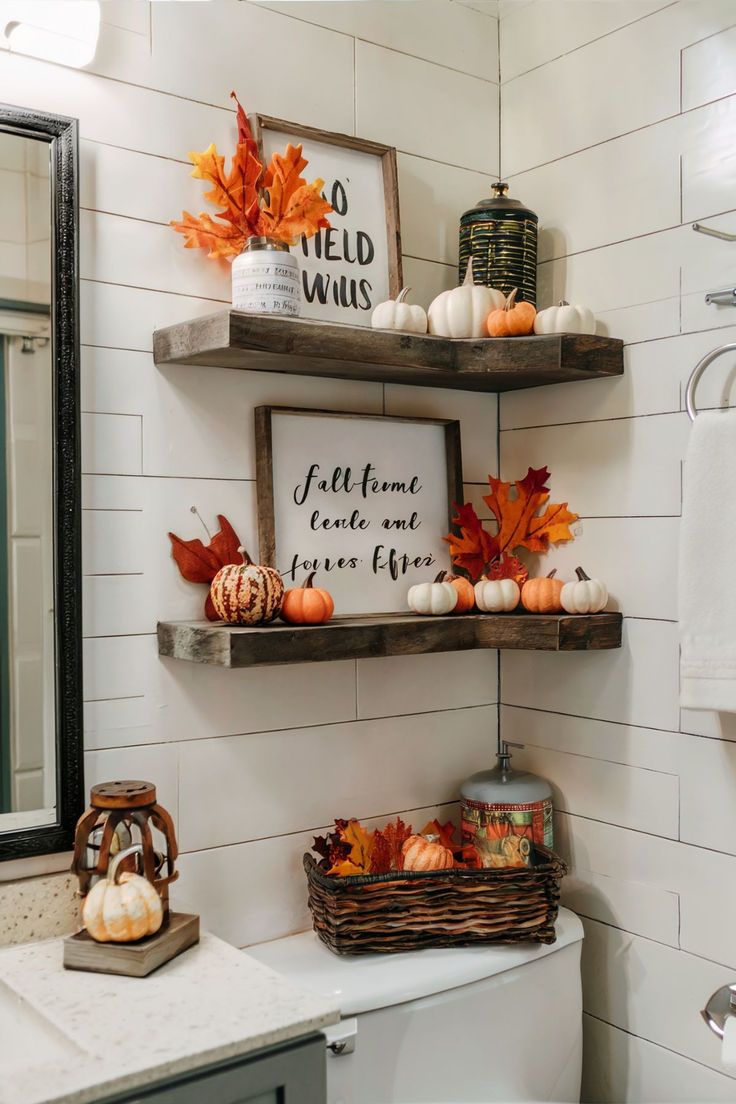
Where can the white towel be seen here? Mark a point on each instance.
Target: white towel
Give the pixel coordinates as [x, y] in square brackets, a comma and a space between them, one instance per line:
[707, 585]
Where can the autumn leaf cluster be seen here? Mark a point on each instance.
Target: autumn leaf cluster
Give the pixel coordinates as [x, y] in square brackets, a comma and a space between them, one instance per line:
[524, 517]
[350, 849]
[274, 201]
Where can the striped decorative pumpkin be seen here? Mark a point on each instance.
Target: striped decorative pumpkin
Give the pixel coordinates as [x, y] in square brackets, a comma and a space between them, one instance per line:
[247, 593]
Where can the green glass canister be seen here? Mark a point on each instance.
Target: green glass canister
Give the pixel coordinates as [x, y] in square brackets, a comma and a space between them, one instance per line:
[504, 812]
[501, 236]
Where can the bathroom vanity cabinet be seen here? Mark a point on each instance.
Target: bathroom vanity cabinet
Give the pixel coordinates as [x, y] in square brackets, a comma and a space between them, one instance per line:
[290, 1074]
[213, 1026]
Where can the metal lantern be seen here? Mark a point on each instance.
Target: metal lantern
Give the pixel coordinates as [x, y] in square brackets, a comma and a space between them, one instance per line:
[501, 236]
[122, 813]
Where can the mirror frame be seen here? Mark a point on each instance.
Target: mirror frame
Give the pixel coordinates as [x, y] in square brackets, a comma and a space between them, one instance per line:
[62, 135]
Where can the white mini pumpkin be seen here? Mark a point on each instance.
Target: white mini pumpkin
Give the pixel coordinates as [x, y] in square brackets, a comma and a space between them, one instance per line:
[585, 595]
[497, 595]
[397, 314]
[565, 318]
[121, 908]
[463, 311]
[433, 599]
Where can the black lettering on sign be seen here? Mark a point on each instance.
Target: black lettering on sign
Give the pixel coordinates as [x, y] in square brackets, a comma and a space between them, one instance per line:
[339, 198]
[366, 249]
[402, 523]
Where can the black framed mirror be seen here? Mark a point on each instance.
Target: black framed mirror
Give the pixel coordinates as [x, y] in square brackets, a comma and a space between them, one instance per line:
[41, 776]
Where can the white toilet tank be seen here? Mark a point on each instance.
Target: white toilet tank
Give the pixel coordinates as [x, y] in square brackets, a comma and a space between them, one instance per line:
[456, 1026]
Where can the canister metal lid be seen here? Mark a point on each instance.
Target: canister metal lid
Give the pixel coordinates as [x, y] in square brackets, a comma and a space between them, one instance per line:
[255, 243]
[501, 202]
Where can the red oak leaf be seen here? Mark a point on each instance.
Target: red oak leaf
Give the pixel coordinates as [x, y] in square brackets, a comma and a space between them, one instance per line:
[199, 563]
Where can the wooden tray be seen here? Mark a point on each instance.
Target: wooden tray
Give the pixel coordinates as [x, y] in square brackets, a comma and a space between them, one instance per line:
[138, 959]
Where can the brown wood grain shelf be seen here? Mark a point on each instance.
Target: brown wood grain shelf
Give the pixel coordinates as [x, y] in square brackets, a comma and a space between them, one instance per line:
[389, 635]
[265, 343]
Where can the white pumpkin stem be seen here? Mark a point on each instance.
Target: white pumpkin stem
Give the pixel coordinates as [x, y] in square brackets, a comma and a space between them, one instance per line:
[247, 561]
[581, 575]
[114, 867]
[510, 300]
[441, 577]
[469, 278]
[563, 303]
[402, 295]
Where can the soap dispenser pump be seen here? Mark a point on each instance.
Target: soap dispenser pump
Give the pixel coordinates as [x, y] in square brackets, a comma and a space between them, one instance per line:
[503, 802]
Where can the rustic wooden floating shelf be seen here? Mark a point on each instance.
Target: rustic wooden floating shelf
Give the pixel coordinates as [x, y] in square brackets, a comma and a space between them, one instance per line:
[266, 343]
[389, 635]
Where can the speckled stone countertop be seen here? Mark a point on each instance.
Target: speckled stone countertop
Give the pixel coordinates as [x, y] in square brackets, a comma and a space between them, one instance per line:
[83, 1036]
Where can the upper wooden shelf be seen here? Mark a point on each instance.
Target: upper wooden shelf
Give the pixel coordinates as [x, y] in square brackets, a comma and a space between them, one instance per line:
[389, 635]
[268, 343]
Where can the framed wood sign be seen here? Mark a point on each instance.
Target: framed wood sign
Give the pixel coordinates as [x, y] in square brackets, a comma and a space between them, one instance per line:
[362, 499]
[356, 264]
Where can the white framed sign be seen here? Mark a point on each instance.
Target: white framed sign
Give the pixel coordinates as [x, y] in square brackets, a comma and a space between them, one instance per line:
[355, 264]
[363, 500]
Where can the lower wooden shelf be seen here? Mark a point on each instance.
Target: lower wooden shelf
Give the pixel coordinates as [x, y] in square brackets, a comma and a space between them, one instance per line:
[388, 635]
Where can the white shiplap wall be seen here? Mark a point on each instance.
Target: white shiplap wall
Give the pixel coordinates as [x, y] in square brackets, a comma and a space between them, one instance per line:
[617, 125]
[251, 764]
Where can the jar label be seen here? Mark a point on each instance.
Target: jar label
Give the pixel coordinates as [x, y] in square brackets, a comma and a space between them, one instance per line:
[496, 830]
[265, 286]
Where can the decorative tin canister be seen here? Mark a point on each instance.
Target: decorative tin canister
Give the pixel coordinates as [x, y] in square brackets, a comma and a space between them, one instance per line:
[501, 236]
[266, 278]
[505, 811]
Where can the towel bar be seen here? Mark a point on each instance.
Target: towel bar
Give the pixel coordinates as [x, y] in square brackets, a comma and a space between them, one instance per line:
[696, 374]
[713, 233]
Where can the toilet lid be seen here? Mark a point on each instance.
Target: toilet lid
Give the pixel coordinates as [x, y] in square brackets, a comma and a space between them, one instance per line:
[361, 983]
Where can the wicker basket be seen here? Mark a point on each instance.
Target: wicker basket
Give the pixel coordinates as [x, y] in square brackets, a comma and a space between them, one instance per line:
[408, 910]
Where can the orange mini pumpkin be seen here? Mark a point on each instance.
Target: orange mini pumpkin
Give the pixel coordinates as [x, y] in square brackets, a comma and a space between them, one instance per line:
[307, 604]
[542, 595]
[513, 319]
[465, 592]
[420, 853]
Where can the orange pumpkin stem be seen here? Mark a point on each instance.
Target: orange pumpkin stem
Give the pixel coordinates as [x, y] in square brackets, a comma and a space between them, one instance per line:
[441, 577]
[510, 300]
[552, 573]
[309, 581]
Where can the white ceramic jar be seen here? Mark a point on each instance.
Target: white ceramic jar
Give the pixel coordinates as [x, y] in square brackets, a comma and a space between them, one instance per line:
[266, 278]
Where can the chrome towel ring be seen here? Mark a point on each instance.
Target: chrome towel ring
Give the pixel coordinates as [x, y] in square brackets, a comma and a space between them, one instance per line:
[697, 372]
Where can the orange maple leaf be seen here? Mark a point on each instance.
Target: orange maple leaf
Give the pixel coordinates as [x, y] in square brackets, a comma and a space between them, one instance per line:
[444, 831]
[361, 849]
[294, 208]
[202, 232]
[277, 202]
[245, 134]
[519, 523]
[235, 192]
